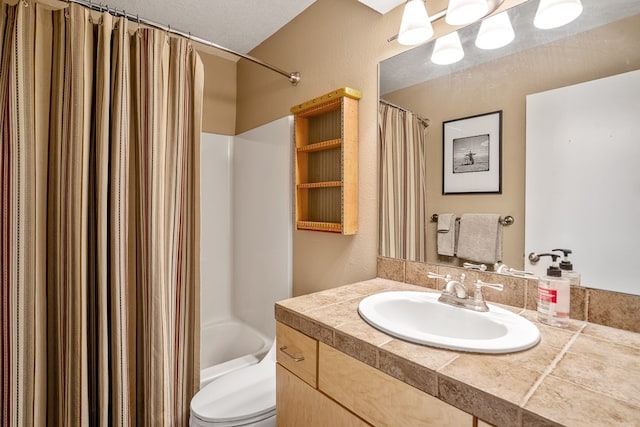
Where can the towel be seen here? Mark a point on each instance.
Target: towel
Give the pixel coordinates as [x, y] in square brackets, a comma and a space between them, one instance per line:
[446, 234]
[480, 238]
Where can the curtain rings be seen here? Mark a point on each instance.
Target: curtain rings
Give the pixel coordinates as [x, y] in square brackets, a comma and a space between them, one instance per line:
[25, 3]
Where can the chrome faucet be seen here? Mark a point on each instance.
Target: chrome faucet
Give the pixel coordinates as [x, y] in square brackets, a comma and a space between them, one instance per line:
[452, 286]
[456, 288]
[455, 292]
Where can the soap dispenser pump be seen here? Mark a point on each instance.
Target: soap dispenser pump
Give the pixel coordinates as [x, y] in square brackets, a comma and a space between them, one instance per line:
[554, 292]
[567, 267]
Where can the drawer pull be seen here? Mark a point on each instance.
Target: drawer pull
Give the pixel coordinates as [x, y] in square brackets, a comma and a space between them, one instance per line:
[295, 359]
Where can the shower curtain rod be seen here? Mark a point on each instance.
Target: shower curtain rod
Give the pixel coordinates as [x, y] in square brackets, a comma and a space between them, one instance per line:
[293, 77]
[424, 121]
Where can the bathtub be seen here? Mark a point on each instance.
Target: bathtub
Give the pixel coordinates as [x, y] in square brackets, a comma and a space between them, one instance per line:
[227, 346]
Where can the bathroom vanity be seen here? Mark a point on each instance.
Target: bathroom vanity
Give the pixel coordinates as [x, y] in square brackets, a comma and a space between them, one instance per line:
[335, 369]
[333, 381]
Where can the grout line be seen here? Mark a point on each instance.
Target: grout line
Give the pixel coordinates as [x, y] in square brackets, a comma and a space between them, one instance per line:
[454, 358]
[587, 296]
[552, 366]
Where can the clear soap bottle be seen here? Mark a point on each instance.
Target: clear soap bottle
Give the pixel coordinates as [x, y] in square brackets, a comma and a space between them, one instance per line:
[567, 268]
[554, 293]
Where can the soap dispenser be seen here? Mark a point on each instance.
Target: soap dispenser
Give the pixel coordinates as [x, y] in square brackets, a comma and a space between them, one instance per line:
[567, 268]
[554, 296]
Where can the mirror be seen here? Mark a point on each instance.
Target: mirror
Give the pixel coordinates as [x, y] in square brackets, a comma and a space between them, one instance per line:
[602, 42]
[574, 131]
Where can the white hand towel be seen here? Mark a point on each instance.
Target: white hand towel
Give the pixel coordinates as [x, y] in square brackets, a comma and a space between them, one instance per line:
[446, 240]
[480, 238]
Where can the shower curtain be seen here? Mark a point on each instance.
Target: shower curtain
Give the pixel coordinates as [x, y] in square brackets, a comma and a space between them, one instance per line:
[402, 217]
[99, 220]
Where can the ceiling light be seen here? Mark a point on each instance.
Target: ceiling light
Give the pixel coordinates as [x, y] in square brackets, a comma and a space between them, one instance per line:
[463, 12]
[556, 13]
[415, 27]
[495, 31]
[447, 49]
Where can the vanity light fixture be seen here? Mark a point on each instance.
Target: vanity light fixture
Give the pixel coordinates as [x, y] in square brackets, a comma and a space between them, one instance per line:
[556, 13]
[447, 49]
[415, 27]
[495, 32]
[463, 12]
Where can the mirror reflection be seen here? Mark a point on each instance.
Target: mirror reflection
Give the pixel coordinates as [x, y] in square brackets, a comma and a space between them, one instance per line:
[601, 42]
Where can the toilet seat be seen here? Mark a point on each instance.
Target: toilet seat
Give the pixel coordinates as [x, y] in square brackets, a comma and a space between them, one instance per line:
[241, 397]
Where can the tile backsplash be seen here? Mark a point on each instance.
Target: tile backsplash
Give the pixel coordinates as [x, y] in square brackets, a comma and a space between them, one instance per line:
[607, 308]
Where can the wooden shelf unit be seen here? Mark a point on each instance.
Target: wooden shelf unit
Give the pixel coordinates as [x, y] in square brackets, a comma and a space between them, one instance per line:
[326, 135]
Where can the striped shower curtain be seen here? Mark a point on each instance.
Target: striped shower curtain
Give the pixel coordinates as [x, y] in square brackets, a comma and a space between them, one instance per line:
[99, 220]
[402, 171]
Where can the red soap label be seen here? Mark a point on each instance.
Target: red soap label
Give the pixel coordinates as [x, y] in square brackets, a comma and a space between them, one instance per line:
[547, 295]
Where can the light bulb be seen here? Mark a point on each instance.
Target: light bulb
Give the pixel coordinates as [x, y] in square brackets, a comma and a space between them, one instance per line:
[495, 31]
[556, 13]
[463, 12]
[447, 49]
[415, 27]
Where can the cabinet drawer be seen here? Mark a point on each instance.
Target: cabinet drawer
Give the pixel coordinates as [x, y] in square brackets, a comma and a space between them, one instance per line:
[379, 398]
[298, 353]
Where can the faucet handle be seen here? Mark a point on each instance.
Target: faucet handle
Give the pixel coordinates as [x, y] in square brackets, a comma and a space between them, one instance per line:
[505, 269]
[445, 277]
[497, 286]
[480, 284]
[470, 266]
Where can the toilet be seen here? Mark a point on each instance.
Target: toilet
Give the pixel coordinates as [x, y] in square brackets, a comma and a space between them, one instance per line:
[244, 397]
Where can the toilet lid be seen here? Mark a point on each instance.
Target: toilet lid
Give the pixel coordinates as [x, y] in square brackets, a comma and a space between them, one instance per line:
[246, 393]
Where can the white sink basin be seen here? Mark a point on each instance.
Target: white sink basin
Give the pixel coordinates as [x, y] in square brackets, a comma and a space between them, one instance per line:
[419, 317]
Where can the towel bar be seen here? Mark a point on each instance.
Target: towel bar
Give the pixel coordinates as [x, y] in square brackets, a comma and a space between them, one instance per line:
[507, 220]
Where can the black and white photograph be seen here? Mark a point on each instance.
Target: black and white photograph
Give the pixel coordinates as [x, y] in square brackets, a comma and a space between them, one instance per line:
[472, 154]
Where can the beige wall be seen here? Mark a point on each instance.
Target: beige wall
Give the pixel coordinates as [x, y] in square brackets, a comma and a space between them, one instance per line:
[334, 43]
[594, 54]
[219, 103]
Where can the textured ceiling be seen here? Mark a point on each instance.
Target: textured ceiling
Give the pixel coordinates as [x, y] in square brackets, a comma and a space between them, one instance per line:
[382, 6]
[239, 25]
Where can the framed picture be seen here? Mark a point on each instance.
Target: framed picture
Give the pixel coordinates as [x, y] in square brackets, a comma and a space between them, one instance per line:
[472, 154]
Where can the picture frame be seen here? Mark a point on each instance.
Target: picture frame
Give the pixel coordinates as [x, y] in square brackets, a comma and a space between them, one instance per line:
[472, 154]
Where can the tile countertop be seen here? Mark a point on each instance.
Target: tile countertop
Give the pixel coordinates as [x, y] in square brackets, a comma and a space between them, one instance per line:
[585, 375]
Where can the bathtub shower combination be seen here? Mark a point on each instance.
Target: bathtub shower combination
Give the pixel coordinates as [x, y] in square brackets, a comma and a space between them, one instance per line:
[245, 268]
[227, 346]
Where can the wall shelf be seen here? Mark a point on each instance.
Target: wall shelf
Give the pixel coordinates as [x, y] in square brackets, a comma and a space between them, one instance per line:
[325, 184]
[326, 135]
[319, 146]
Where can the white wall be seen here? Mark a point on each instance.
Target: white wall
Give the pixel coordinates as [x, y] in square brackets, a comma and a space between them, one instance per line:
[263, 222]
[215, 227]
[247, 224]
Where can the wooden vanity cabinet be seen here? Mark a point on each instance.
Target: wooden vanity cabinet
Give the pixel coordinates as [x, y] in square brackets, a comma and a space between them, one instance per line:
[379, 398]
[298, 404]
[298, 401]
[347, 392]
